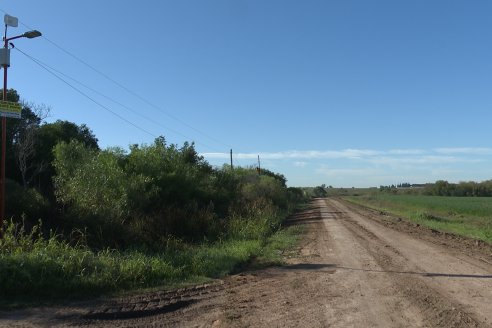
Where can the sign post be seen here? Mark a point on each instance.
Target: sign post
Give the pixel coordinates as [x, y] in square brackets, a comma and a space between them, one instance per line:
[10, 109]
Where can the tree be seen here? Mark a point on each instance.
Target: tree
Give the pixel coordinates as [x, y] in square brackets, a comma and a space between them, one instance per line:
[47, 137]
[16, 133]
[25, 144]
[319, 191]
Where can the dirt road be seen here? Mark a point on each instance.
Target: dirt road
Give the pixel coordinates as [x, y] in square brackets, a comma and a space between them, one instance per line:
[355, 268]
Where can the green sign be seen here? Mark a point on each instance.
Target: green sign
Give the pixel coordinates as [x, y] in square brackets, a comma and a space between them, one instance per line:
[10, 109]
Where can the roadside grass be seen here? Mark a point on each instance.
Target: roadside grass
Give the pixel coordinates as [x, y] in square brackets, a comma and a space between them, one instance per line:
[279, 246]
[466, 216]
[35, 270]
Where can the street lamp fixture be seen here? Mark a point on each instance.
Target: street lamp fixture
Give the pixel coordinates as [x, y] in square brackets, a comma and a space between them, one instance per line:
[32, 34]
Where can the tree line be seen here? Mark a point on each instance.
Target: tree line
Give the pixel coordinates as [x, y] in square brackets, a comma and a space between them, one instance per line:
[444, 188]
[120, 198]
[461, 189]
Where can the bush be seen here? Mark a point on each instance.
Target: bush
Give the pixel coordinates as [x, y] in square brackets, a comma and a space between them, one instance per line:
[25, 203]
[261, 221]
[158, 190]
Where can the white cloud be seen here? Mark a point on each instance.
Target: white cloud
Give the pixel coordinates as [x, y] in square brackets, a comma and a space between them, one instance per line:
[388, 157]
[304, 154]
[369, 167]
[407, 152]
[464, 151]
[337, 172]
[300, 164]
[421, 160]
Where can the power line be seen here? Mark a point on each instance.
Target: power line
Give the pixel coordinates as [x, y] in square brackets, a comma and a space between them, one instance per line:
[124, 87]
[86, 95]
[115, 101]
[236, 159]
[70, 54]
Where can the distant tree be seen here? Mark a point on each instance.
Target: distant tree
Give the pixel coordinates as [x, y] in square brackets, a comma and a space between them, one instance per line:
[319, 191]
[442, 188]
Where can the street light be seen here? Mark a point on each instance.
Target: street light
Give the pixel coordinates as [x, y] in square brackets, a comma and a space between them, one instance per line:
[5, 63]
[32, 34]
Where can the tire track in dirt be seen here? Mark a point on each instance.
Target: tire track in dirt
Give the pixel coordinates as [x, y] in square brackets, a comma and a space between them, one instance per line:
[370, 299]
[449, 291]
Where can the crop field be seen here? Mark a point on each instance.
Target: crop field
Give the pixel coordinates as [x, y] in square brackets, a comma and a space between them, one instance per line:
[467, 216]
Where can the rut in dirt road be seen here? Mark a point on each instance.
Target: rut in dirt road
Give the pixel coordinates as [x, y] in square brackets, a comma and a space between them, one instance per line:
[354, 268]
[424, 283]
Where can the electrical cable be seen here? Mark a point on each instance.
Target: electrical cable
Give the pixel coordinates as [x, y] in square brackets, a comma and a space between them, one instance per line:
[119, 103]
[86, 95]
[52, 70]
[124, 87]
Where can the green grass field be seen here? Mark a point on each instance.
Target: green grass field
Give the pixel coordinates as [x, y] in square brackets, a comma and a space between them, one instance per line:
[466, 216]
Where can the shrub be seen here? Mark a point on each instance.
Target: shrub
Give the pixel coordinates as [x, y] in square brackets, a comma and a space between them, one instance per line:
[25, 203]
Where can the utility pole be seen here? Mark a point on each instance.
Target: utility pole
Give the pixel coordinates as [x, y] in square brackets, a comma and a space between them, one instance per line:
[259, 166]
[5, 106]
[232, 167]
[4, 131]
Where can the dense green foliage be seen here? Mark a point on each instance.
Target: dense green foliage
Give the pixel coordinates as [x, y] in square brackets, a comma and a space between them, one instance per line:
[467, 216]
[153, 215]
[159, 190]
[123, 199]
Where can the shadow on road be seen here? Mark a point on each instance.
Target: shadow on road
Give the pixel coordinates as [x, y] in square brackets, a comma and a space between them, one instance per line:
[423, 274]
[131, 314]
[321, 266]
[308, 266]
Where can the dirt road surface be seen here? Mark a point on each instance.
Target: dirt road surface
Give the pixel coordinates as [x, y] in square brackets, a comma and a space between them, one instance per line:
[354, 268]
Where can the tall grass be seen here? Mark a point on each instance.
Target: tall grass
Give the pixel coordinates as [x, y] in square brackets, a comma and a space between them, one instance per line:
[34, 268]
[31, 265]
[467, 216]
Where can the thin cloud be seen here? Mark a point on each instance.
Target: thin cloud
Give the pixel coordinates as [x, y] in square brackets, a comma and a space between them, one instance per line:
[306, 154]
[421, 160]
[370, 167]
[407, 152]
[464, 151]
[337, 172]
[300, 164]
[392, 157]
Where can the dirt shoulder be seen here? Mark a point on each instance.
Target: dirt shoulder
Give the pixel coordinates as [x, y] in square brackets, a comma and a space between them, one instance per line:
[354, 268]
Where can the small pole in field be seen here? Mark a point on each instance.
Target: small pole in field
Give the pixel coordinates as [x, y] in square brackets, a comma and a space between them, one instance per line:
[232, 167]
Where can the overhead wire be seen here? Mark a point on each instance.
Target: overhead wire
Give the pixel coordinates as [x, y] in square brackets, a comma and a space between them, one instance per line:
[235, 158]
[56, 73]
[114, 100]
[86, 95]
[107, 77]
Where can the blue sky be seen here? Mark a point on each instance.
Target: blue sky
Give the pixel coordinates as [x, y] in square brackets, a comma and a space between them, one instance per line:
[346, 93]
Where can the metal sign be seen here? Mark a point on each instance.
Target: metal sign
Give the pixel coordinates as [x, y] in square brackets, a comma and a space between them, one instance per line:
[10, 109]
[11, 20]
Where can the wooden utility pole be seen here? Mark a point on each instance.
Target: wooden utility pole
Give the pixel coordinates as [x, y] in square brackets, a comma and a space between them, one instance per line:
[259, 166]
[232, 167]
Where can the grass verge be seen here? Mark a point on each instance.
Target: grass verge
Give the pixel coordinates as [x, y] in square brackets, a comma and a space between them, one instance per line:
[465, 216]
[36, 270]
